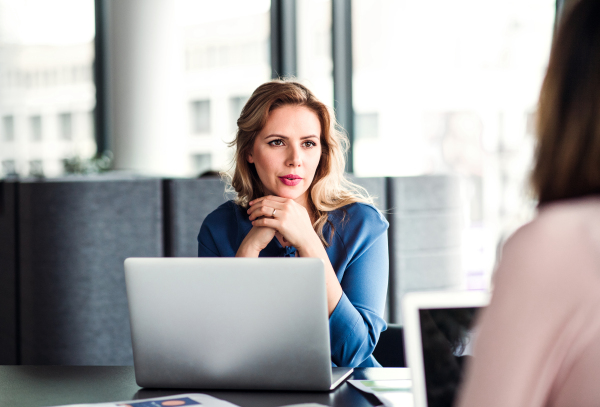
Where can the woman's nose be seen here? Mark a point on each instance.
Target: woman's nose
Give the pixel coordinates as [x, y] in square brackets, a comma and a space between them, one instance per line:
[294, 159]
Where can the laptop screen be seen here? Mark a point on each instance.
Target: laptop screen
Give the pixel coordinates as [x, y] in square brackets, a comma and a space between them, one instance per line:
[447, 336]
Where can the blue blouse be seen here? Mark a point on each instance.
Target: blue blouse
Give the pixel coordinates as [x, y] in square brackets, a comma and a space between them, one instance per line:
[358, 253]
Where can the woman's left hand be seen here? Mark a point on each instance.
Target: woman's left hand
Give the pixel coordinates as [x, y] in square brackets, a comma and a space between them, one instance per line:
[287, 217]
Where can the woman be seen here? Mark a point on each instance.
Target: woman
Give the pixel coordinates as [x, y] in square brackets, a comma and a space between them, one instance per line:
[539, 340]
[293, 200]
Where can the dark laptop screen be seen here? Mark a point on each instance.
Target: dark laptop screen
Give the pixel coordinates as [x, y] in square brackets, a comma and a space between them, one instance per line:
[447, 335]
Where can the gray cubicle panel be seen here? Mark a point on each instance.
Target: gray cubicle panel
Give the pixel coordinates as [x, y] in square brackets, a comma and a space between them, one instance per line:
[426, 221]
[8, 276]
[376, 187]
[74, 235]
[187, 203]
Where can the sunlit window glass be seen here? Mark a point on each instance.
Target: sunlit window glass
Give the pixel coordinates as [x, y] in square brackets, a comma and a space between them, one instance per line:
[226, 58]
[8, 168]
[65, 129]
[200, 116]
[8, 128]
[35, 127]
[236, 104]
[36, 168]
[451, 87]
[315, 64]
[46, 81]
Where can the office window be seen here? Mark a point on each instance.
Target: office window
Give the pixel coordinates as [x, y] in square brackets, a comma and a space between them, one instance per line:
[36, 168]
[455, 86]
[202, 163]
[35, 128]
[227, 56]
[236, 104]
[313, 37]
[366, 126]
[43, 46]
[9, 168]
[8, 128]
[200, 114]
[65, 126]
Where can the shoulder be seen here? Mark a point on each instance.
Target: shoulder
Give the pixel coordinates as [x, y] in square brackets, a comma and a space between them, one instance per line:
[560, 223]
[219, 231]
[564, 235]
[360, 215]
[365, 211]
[358, 224]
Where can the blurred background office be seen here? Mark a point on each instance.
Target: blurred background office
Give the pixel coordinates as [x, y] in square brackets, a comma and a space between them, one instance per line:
[155, 87]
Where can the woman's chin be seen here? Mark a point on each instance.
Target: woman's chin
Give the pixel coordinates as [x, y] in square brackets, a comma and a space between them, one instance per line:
[287, 194]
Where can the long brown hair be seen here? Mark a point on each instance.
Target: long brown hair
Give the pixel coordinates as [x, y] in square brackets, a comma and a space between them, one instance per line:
[568, 150]
[330, 189]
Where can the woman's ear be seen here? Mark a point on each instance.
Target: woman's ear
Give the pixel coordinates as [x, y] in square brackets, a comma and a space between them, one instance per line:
[250, 158]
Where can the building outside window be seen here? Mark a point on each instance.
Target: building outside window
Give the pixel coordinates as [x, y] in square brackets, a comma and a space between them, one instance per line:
[315, 63]
[366, 126]
[236, 104]
[36, 168]
[454, 85]
[202, 164]
[8, 128]
[65, 126]
[35, 128]
[227, 56]
[8, 168]
[200, 114]
[46, 58]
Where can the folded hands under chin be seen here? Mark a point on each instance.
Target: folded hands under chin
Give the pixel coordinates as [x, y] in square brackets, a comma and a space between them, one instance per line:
[281, 217]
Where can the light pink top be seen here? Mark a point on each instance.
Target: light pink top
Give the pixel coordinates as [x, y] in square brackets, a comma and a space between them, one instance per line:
[539, 340]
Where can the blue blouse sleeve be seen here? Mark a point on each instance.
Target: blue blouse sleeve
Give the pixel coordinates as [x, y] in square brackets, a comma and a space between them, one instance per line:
[206, 243]
[218, 233]
[357, 321]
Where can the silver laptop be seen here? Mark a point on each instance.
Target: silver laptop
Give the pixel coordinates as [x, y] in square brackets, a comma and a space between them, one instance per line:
[439, 331]
[230, 323]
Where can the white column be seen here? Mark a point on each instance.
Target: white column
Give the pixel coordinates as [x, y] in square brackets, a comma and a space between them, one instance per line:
[145, 56]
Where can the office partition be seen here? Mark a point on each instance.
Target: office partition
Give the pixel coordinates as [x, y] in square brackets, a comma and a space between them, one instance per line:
[8, 273]
[62, 291]
[187, 203]
[74, 235]
[426, 223]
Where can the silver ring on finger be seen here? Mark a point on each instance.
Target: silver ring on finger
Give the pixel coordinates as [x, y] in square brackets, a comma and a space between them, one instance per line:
[273, 214]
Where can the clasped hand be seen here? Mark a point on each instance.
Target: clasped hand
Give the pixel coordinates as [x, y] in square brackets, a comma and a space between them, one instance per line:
[271, 215]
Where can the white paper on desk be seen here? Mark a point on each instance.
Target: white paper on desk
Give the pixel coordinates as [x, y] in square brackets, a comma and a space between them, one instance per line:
[190, 399]
[397, 393]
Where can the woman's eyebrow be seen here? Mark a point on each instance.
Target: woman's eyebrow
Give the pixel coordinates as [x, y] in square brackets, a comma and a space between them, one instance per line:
[286, 137]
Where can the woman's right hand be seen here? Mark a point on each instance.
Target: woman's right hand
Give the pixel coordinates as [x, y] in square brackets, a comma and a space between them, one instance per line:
[257, 239]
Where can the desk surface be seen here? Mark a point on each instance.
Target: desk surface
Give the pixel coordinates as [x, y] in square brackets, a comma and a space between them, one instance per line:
[38, 386]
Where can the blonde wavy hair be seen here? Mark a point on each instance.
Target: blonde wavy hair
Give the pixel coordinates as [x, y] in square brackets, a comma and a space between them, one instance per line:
[330, 190]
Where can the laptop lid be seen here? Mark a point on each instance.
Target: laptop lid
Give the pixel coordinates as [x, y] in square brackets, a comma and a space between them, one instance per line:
[229, 323]
[439, 329]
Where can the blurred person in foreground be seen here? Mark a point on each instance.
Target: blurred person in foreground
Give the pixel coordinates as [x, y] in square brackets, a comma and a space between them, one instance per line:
[293, 200]
[539, 340]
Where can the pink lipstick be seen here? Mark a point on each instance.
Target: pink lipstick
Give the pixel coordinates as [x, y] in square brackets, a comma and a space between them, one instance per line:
[291, 179]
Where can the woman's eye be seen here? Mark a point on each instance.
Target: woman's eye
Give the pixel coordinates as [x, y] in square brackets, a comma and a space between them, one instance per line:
[276, 143]
[309, 144]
